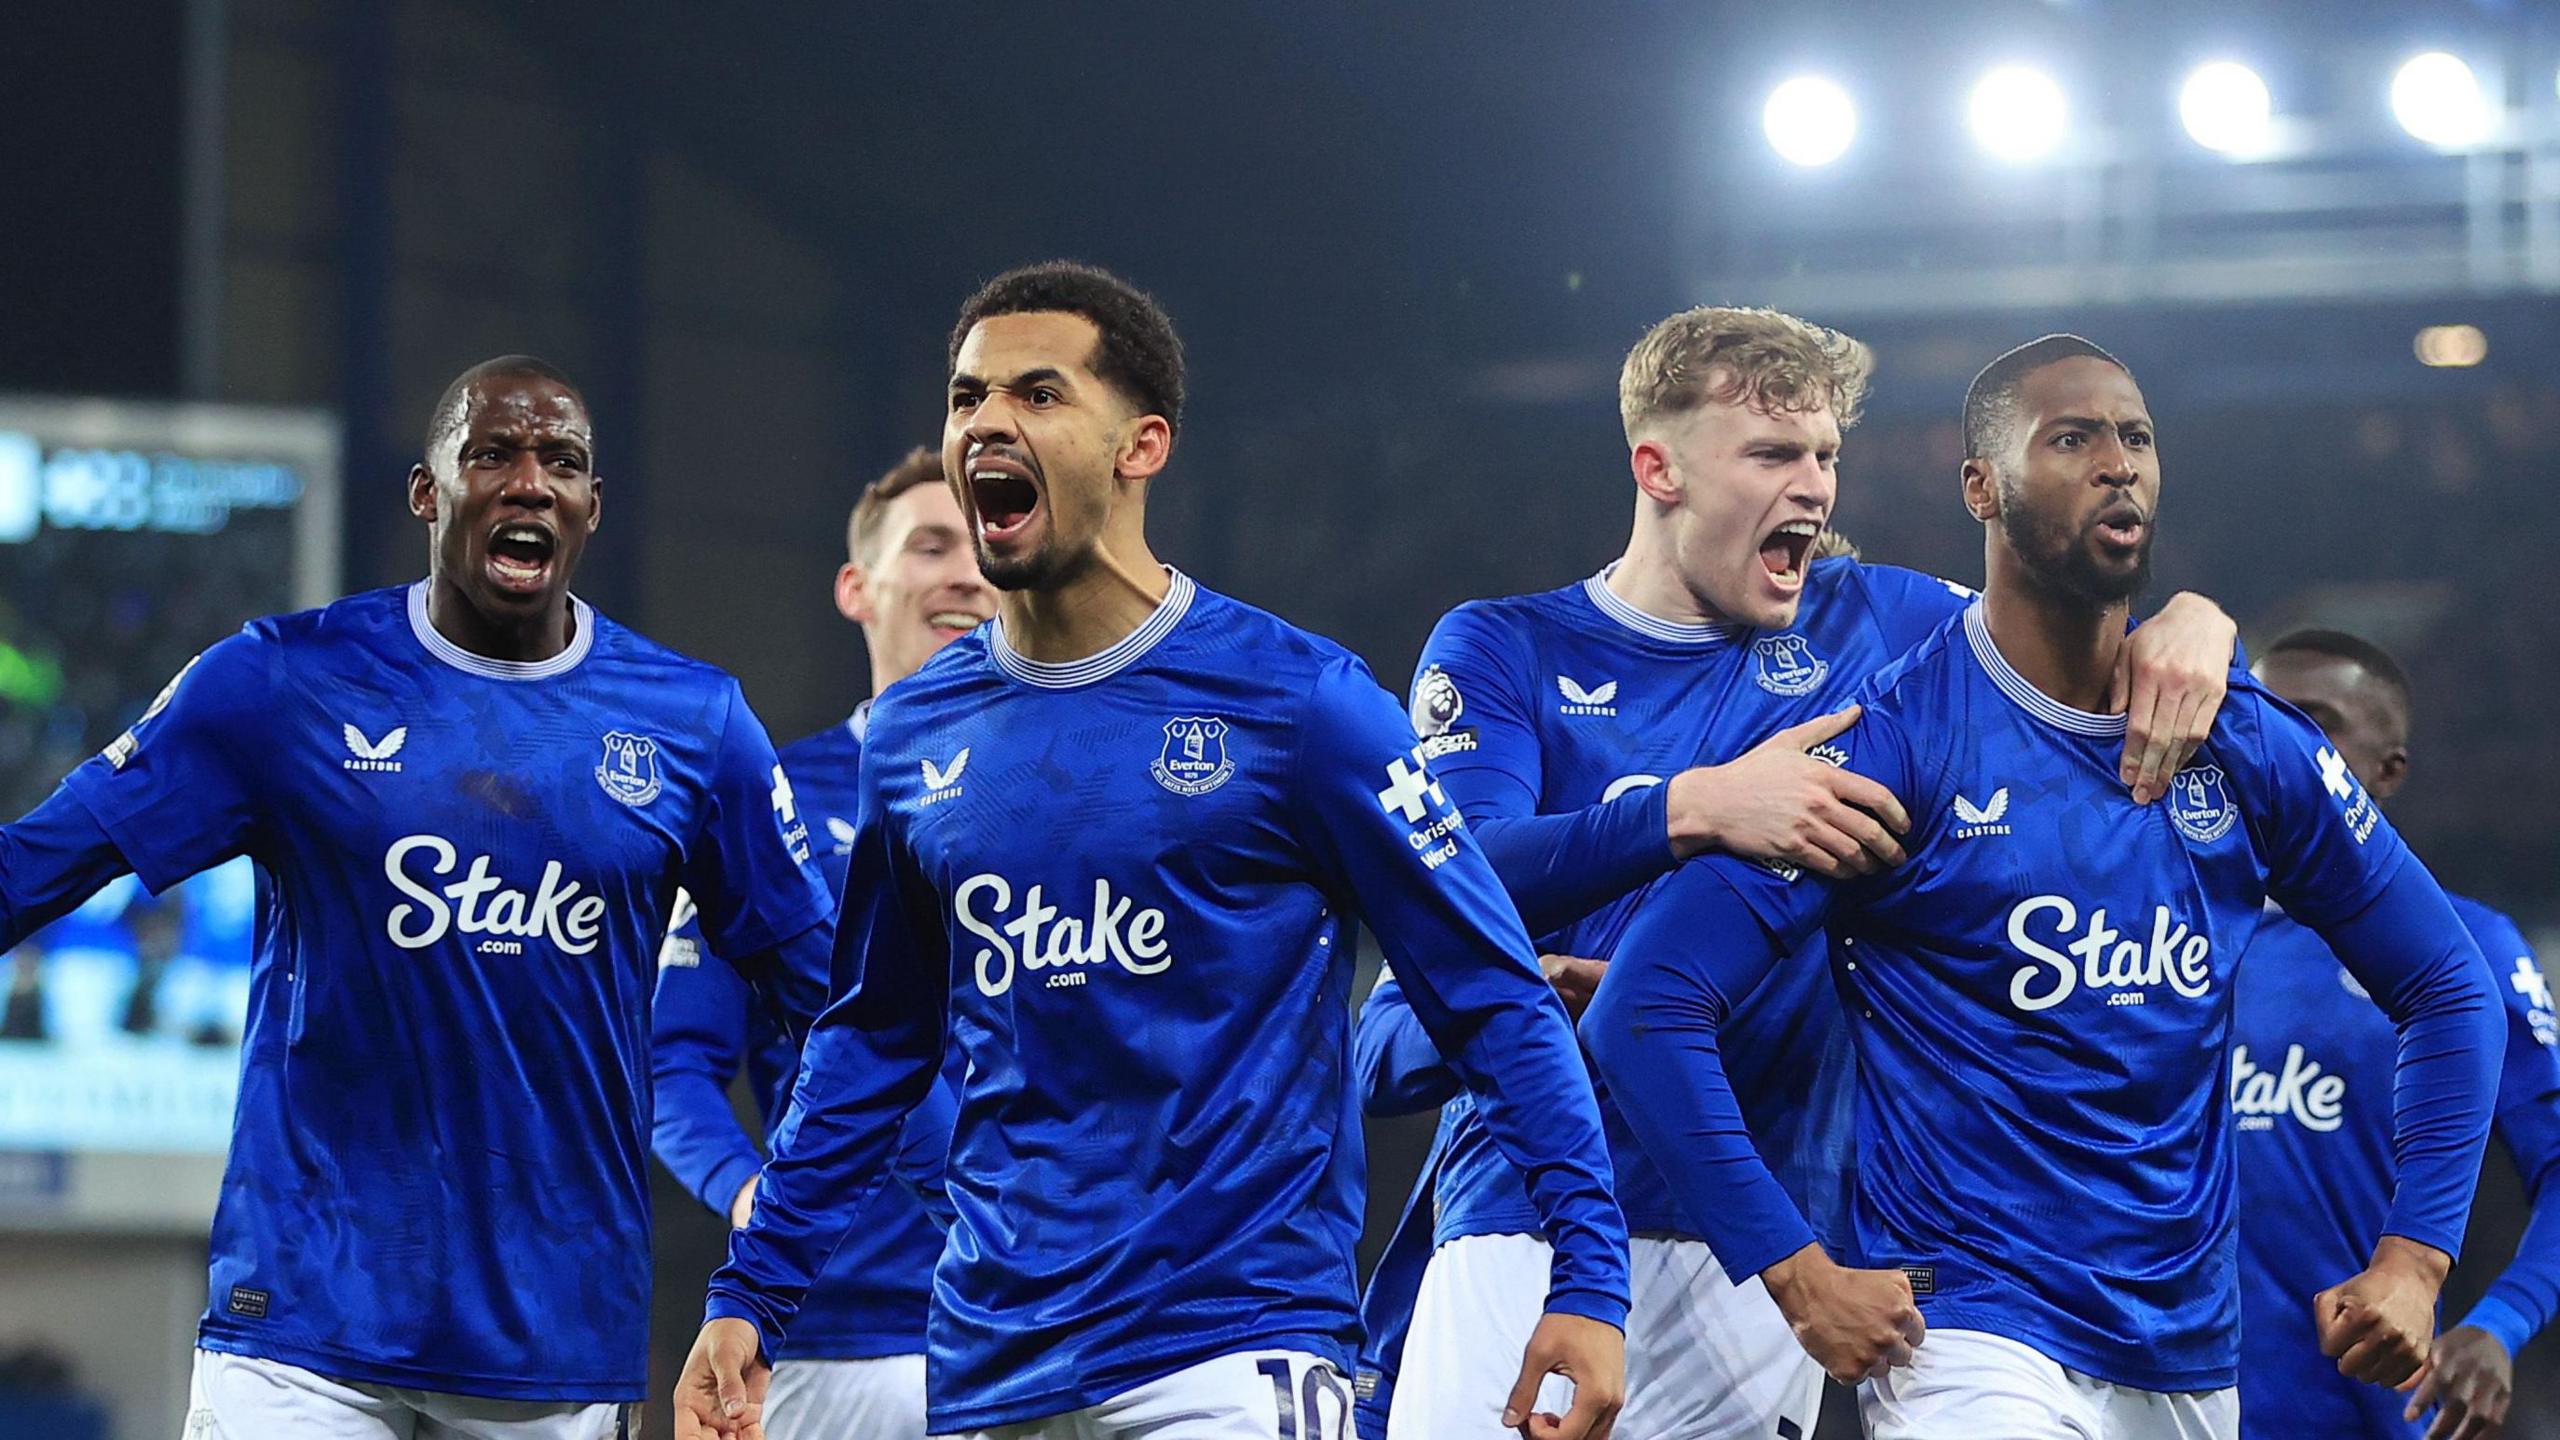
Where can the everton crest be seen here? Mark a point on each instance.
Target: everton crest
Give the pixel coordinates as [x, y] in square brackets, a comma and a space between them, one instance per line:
[629, 770]
[2199, 805]
[1786, 665]
[1195, 760]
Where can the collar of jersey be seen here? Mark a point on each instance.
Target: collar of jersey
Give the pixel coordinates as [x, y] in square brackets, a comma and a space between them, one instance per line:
[1124, 652]
[1652, 627]
[2035, 702]
[581, 640]
[858, 724]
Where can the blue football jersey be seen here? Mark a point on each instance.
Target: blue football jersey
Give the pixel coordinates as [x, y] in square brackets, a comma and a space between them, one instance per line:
[1554, 702]
[437, 1170]
[2041, 1002]
[2311, 1095]
[870, 1298]
[1126, 888]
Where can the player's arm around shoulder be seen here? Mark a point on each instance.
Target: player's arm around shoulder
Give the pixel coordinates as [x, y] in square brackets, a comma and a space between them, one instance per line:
[2171, 677]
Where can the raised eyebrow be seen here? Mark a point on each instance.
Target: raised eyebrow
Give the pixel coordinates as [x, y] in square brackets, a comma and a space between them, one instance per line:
[933, 532]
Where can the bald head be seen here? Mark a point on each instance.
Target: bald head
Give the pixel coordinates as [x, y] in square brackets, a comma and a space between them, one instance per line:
[452, 415]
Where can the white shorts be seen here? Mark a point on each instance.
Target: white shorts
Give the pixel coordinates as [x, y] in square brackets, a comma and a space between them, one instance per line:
[239, 1397]
[1250, 1395]
[1964, 1384]
[878, 1399]
[1706, 1359]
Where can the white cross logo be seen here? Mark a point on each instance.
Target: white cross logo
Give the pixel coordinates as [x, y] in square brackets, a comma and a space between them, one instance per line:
[2528, 982]
[782, 803]
[1407, 785]
[2333, 774]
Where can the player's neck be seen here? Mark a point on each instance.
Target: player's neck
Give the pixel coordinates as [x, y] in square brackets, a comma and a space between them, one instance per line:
[535, 637]
[1089, 613]
[1647, 576]
[2060, 644]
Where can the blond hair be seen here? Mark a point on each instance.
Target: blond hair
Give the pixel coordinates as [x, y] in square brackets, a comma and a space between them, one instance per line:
[862, 528]
[1762, 358]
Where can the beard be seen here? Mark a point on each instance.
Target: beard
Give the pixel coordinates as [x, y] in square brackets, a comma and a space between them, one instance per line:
[2064, 557]
[1047, 567]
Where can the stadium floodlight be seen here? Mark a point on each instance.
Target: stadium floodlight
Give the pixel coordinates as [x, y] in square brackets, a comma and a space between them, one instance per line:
[1809, 121]
[2225, 107]
[2436, 98]
[2452, 347]
[2018, 113]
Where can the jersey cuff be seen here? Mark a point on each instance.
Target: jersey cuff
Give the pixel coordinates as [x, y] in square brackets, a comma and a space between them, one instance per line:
[2423, 1235]
[724, 1305]
[720, 1188]
[1597, 1305]
[1750, 1260]
[2502, 1320]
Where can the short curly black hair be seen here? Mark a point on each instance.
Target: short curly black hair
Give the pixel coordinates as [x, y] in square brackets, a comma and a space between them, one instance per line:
[1139, 356]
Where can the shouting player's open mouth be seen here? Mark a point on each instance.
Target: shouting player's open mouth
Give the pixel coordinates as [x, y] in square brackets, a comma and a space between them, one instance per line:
[1005, 493]
[2120, 525]
[1787, 550]
[520, 554]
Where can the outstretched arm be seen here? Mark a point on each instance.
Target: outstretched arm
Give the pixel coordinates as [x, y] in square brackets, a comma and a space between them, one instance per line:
[50, 863]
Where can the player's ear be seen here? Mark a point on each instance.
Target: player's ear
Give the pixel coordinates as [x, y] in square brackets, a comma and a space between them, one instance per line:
[1144, 449]
[2393, 770]
[595, 502]
[1981, 489]
[853, 593]
[422, 492]
[1650, 462]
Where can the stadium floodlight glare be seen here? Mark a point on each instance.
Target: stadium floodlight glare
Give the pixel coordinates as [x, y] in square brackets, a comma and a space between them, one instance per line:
[2017, 113]
[2436, 98]
[2452, 347]
[1809, 121]
[2225, 107]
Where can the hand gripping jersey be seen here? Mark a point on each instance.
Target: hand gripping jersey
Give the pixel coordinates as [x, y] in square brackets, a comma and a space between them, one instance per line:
[870, 1299]
[1125, 887]
[2041, 1001]
[436, 1176]
[1538, 708]
[2311, 1097]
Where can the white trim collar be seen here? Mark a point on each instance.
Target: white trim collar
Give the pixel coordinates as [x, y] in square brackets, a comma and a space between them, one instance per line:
[858, 724]
[1120, 655]
[582, 638]
[1653, 627]
[2026, 696]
